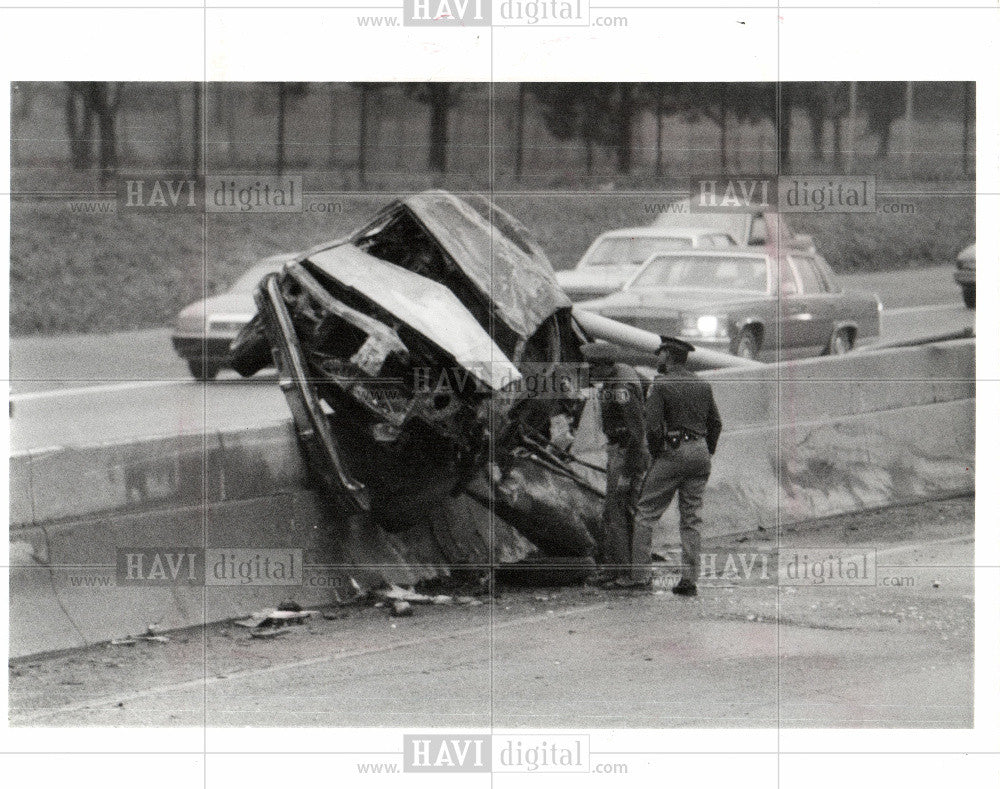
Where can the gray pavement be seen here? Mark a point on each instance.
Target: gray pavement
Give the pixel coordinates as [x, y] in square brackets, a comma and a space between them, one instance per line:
[898, 653]
[94, 388]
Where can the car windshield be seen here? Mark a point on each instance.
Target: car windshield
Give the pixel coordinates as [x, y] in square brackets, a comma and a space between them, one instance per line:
[247, 282]
[634, 250]
[704, 272]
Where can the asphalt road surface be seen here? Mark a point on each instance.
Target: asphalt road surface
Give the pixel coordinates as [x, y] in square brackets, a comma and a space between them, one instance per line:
[97, 388]
[748, 652]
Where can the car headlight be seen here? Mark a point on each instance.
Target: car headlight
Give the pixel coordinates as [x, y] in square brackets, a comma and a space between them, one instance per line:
[707, 325]
[704, 327]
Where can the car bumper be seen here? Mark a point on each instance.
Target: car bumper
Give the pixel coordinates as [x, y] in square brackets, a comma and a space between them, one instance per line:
[214, 349]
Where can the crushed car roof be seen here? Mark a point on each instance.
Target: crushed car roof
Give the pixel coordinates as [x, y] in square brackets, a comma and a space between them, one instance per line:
[496, 253]
[424, 305]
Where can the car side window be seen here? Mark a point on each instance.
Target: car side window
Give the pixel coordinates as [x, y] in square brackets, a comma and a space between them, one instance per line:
[812, 281]
[717, 240]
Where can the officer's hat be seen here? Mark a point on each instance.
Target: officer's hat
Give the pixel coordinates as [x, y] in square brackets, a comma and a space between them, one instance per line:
[598, 353]
[677, 348]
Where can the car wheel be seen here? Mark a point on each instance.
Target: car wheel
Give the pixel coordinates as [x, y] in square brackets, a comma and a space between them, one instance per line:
[840, 343]
[969, 296]
[747, 344]
[203, 370]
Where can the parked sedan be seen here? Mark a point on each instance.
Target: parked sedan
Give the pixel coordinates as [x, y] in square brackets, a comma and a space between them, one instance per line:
[965, 275]
[615, 256]
[204, 330]
[751, 303]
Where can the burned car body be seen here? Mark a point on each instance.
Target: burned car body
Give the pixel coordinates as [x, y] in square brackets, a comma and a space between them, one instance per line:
[428, 348]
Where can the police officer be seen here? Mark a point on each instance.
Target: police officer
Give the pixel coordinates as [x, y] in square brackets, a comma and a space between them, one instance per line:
[683, 427]
[621, 402]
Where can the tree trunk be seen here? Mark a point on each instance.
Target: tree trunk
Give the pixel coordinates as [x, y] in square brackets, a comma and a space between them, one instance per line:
[177, 149]
[109, 143]
[519, 133]
[883, 141]
[817, 119]
[282, 102]
[625, 120]
[77, 155]
[196, 131]
[334, 138]
[966, 125]
[838, 163]
[26, 99]
[659, 131]
[784, 132]
[362, 134]
[230, 126]
[438, 144]
[724, 127]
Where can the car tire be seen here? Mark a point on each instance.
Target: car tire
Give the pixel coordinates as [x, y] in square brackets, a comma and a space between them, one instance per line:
[969, 296]
[840, 343]
[203, 370]
[747, 344]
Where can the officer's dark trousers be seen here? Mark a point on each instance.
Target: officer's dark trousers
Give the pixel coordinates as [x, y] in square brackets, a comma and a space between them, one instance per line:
[619, 517]
[685, 471]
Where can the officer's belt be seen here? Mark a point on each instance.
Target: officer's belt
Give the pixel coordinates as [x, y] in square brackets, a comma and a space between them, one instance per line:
[675, 437]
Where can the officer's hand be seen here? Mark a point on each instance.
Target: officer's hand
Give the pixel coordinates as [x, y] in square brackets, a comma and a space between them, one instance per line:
[626, 484]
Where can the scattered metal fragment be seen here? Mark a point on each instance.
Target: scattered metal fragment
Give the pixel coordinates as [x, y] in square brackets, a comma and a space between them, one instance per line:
[275, 618]
[128, 641]
[401, 608]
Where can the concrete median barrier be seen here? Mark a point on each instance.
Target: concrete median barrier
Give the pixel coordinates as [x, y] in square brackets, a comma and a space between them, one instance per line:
[802, 440]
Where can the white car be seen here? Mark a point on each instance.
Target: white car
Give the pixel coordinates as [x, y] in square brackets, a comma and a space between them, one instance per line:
[615, 256]
[204, 330]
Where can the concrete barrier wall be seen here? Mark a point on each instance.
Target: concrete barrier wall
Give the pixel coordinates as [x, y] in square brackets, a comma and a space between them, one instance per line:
[801, 441]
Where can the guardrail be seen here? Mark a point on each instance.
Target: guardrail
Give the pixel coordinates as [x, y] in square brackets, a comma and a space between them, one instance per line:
[802, 440]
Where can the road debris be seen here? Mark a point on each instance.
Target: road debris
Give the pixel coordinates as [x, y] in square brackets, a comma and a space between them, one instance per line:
[275, 617]
[401, 608]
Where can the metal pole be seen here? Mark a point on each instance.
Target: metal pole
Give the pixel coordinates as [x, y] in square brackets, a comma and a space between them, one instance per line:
[601, 328]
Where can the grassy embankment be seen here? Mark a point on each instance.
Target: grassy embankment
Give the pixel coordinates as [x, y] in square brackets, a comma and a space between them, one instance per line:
[91, 272]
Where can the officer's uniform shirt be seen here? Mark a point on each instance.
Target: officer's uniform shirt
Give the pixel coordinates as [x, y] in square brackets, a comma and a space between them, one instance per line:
[622, 417]
[680, 400]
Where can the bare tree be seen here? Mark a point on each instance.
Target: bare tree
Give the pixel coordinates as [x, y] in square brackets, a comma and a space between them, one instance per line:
[884, 102]
[100, 100]
[79, 126]
[440, 97]
[196, 130]
[366, 90]
[287, 91]
[519, 131]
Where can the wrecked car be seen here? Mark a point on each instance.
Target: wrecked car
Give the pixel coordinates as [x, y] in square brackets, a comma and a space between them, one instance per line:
[428, 354]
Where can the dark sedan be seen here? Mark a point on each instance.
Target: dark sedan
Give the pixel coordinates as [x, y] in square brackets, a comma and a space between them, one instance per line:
[749, 302]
